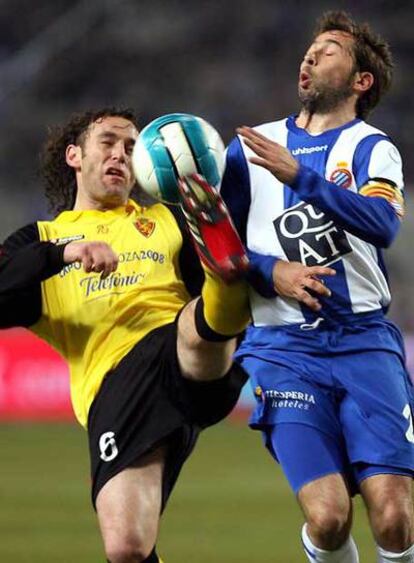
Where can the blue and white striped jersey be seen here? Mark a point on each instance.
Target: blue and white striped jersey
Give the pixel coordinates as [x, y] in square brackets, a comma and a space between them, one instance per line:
[341, 211]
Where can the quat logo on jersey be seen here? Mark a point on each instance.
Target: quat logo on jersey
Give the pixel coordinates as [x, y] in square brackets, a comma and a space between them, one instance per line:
[306, 235]
[145, 226]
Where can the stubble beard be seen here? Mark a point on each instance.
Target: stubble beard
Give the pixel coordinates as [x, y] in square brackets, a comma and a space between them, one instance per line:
[323, 100]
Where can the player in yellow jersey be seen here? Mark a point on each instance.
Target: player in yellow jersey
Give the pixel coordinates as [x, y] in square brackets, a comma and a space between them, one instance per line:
[109, 283]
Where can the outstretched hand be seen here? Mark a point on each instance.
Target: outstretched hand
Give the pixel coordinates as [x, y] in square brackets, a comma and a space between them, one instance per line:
[294, 280]
[270, 155]
[94, 256]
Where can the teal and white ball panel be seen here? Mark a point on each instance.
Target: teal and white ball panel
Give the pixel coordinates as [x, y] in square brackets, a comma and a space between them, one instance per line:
[206, 146]
[177, 145]
[214, 157]
[179, 148]
[145, 171]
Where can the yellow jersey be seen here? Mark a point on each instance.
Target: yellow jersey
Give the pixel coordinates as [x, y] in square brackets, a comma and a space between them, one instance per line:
[94, 322]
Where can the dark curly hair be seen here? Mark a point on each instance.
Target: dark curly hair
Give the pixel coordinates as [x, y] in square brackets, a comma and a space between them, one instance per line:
[59, 178]
[371, 54]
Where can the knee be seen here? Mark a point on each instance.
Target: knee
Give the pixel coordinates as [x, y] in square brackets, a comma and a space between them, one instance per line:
[127, 551]
[329, 527]
[393, 527]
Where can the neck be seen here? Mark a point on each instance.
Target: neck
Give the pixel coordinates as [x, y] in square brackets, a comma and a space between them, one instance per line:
[316, 123]
[85, 202]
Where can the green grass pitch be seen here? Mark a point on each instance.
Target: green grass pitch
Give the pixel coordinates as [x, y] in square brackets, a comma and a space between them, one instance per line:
[231, 505]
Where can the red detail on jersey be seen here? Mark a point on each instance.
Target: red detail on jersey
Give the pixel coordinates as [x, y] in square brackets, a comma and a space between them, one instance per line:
[145, 226]
[341, 177]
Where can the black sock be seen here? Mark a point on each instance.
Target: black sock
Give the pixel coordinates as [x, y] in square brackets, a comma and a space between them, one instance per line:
[202, 327]
[152, 557]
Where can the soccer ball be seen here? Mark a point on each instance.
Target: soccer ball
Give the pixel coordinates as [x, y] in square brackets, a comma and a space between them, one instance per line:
[175, 145]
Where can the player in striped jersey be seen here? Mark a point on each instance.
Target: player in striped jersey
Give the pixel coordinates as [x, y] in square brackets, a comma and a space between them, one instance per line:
[334, 400]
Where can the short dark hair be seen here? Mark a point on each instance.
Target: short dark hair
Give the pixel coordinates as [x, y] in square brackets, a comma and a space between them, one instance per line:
[371, 54]
[59, 178]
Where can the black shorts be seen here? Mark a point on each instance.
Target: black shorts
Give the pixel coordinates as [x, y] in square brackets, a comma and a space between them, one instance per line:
[145, 401]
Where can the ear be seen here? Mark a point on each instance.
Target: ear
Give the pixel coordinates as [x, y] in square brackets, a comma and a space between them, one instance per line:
[73, 156]
[363, 81]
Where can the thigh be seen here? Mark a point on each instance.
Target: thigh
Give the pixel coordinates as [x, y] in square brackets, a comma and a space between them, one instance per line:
[381, 489]
[326, 498]
[316, 468]
[285, 393]
[199, 359]
[134, 412]
[376, 411]
[389, 502]
[129, 504]
[208, 397]
[307, 455]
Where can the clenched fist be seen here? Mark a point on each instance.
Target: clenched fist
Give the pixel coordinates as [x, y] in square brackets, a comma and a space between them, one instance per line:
[94, 256]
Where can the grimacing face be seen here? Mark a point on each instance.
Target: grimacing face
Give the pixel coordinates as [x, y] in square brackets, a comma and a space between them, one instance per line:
[106, 167]
[327, 72]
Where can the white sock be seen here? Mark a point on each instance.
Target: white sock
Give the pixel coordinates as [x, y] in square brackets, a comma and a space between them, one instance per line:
[347, 553]
[406, 556]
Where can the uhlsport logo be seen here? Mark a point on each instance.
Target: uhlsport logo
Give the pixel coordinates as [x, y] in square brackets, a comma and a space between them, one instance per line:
[309, 150]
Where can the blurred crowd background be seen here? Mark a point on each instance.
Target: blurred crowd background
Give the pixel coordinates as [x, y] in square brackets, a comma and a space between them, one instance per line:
[232, 62]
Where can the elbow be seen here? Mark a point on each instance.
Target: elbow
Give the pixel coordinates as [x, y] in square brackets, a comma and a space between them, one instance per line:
[387, 236]
[391, 226]
[387, 242]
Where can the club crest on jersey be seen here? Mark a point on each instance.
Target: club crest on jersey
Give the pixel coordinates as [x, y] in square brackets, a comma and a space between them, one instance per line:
[145, 226]
[342, 177]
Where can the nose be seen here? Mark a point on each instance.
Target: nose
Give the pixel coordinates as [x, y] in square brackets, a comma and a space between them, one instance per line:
[118, 152]
[310, 58]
